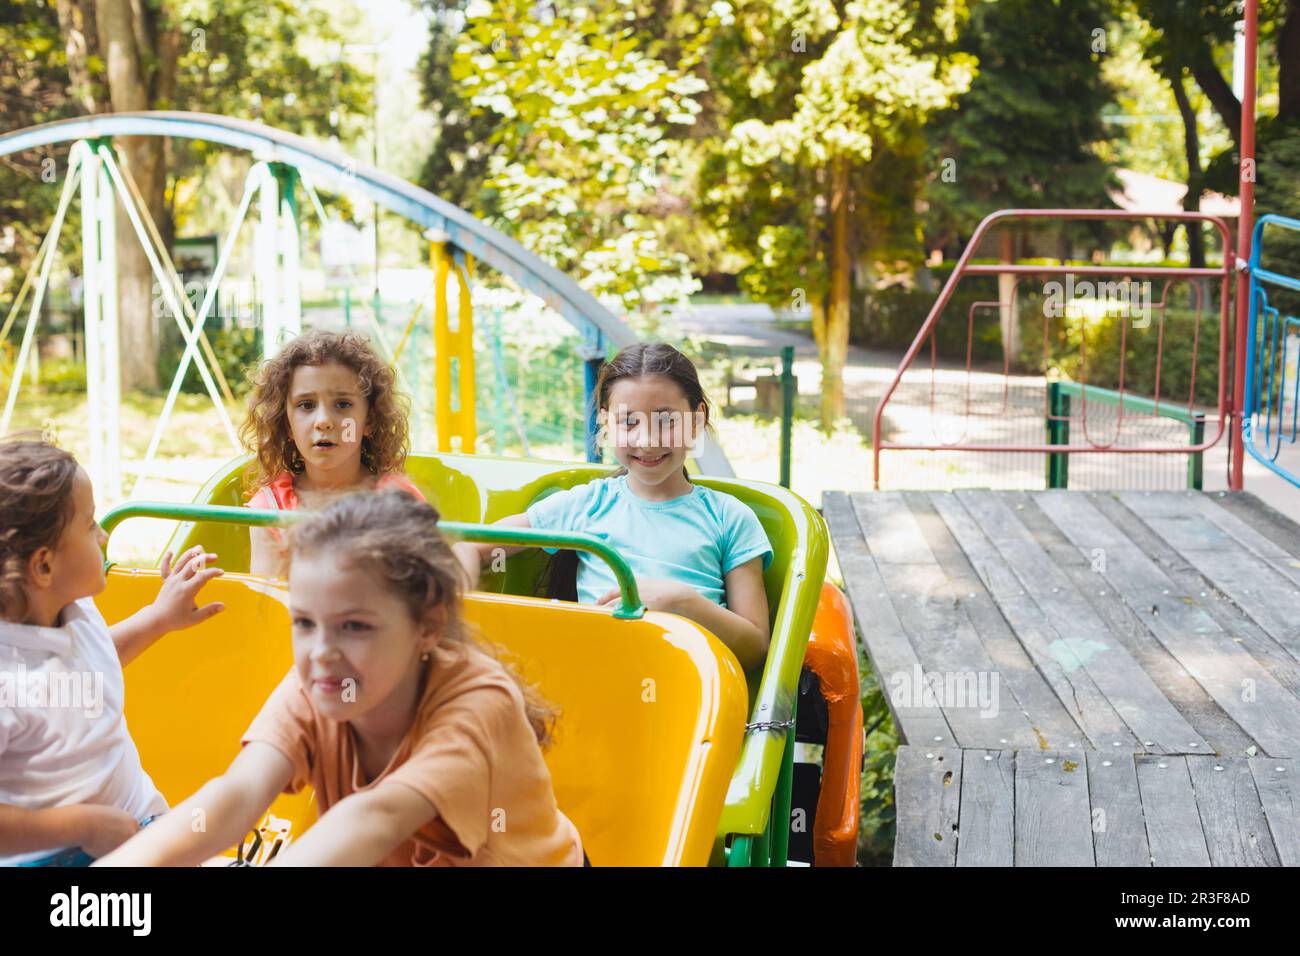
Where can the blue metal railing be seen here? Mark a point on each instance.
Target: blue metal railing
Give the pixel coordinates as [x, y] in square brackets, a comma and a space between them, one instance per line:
[1272, 365]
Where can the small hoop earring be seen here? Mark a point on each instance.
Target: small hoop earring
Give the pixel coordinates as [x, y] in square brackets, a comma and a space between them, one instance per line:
[424, 656]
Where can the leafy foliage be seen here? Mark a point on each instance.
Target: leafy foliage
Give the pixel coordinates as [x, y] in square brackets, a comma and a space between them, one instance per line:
[805, 85]
[1026, 133]
[579, 115]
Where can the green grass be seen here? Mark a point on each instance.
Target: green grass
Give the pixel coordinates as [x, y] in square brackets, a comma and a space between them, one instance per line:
[193, 431]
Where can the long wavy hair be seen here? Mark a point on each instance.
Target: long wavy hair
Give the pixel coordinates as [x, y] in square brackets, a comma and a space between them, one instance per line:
[36, 480]
[396, 536]
[266, 431]
[641, 360]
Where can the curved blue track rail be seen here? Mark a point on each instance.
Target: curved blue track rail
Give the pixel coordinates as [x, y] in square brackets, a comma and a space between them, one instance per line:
[600, 327]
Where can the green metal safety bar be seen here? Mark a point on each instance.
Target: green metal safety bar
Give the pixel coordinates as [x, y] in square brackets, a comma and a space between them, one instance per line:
[630, 607]
[1059, 396]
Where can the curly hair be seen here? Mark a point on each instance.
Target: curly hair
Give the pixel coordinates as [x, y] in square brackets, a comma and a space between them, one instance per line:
[397, 536]
[266, 431]
[36, 480]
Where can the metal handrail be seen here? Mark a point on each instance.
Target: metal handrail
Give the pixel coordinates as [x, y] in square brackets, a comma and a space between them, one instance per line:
[964, 268]
[630, 607]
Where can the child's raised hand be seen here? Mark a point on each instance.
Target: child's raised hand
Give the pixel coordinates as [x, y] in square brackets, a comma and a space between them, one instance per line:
[657, 594]
[174, 606]
[104, 829]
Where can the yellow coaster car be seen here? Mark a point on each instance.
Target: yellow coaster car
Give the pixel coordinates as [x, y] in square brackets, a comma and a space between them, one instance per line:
[663, 754]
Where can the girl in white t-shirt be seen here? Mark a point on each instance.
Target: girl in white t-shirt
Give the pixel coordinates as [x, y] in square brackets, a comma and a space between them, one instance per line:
[71, 784]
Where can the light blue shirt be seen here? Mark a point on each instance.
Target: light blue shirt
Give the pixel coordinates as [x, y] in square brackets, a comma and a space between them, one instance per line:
[696, 538]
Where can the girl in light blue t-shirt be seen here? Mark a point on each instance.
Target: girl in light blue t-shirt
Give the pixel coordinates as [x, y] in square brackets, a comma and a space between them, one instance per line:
[695, 552]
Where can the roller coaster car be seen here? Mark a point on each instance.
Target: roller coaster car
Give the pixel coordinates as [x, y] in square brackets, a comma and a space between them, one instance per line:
[654, 760]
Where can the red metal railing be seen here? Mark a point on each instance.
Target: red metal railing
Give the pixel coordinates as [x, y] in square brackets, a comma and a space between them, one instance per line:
[1110, 444]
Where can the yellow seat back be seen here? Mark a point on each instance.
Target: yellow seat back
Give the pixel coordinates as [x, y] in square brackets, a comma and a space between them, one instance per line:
[191, 696]
[652, 711]
[652, 716]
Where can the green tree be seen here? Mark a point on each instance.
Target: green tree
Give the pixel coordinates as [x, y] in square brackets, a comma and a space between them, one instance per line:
[579, 146]
[1026, 134]
[820, 162]
[457, 166]
[273, 61]
[35, 87]
[1196, 36]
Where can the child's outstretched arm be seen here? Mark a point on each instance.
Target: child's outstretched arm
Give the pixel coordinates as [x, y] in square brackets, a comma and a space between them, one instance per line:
[472, 555]
[219, 814]
[96, 829]
[173, 609]
[742, 626]
[361, 829]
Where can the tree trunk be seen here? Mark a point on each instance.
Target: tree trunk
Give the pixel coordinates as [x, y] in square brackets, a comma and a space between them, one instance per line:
[1219, 92]
[72, 23]
[835, 344]
[128, 91]
[817, 305]
[1288, 65]
[1192, 199]
[1010, 328]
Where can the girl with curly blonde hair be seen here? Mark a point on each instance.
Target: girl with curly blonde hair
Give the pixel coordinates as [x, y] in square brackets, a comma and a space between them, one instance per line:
[324, 418]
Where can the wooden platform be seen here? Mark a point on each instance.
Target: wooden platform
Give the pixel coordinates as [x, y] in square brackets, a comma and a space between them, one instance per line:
[1083, 678]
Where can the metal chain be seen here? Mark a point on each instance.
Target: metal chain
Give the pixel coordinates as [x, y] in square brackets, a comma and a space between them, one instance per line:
[770, 724]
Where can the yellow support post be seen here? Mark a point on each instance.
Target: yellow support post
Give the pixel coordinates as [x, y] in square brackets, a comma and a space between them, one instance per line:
[453, 345]
[467, 423]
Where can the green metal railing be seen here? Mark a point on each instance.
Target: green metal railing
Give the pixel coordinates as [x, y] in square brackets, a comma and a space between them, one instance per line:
[786, 354]
[630, 606]
[1059, 401]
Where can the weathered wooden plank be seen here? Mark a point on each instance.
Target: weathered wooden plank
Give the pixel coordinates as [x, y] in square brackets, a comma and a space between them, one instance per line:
[941, 634]
[1235, 680]
[1169, 806]
[1213, 723]
[1053, 817]
[1278, 784]
[987, 819]
[1261, 518]
[1232, 818]
[1084, 641]
[887, 643]
[1082, 700]
[1213, 507]
[927, 792]
[1040, 705]
[1119, 831]
[1258, 586]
